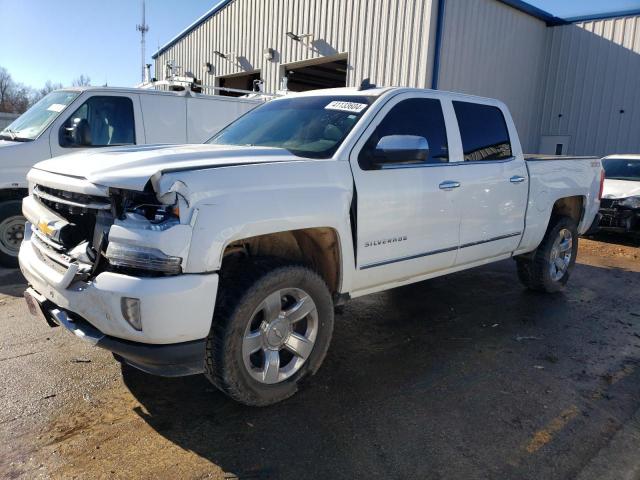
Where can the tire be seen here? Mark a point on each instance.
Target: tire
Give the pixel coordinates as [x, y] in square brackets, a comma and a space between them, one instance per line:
[536, 271]
[247, 316]
[11, 232]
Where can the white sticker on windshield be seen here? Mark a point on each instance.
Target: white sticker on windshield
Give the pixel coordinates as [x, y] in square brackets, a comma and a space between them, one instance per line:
[56, 107]
[346, 106]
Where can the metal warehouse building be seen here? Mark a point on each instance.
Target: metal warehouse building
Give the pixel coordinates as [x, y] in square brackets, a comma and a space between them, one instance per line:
[573, 86]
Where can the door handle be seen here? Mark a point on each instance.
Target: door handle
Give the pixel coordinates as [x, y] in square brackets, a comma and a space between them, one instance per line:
[448, 185]
[517, 179]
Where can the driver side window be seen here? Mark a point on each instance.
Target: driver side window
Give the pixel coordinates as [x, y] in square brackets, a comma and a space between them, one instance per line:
[419, 117]
[100, 122]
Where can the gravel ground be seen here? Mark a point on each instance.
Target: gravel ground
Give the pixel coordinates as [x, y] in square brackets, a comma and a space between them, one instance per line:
[465, 376]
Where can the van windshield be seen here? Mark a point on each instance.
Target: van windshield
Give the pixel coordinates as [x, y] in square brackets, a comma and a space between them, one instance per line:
[34, 121]
[311, 127]
[621, 169]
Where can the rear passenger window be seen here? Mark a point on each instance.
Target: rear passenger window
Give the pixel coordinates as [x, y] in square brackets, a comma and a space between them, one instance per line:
[418, 117]
[484, 132]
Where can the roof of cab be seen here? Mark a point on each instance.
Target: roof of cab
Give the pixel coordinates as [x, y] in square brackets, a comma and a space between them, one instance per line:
[630, 156]
[379, 91]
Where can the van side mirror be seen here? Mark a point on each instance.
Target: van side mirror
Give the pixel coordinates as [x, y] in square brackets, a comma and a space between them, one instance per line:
[405, 149]
[75, 133]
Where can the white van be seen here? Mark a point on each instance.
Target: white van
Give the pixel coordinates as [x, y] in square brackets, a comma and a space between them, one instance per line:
[92, 117]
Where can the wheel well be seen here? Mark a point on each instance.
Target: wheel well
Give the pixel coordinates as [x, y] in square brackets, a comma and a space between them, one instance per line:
[572, 207]
[13, 194]
[317, 247]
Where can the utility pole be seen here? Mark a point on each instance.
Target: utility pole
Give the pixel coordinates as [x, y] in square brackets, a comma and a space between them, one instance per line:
[143, 28]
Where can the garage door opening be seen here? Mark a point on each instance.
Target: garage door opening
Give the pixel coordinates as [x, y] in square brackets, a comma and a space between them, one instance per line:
[320, 75]
[242, 82]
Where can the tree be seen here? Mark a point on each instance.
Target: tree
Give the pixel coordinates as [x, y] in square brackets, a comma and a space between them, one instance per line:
[14, 97]
[82, 81]
[46, 90]
[17, 98]
[5, 85]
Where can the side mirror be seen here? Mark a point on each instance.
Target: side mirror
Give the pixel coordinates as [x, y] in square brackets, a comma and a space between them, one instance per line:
[75, 133]
[401, 149]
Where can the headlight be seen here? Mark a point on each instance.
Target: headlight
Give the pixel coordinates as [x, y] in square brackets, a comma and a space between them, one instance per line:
[142, 258]
[161, 224]
[630, 202]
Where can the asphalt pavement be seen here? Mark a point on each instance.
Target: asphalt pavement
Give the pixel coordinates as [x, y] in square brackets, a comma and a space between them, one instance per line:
[466, 376]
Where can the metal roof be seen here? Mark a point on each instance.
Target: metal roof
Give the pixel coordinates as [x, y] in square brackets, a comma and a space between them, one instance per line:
[604, 16]
[208, 14]
[520, 5]
[536, 12]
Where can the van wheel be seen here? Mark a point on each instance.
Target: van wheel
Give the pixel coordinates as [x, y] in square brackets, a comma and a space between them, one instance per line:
[271, 328]
[548, 268]
[11, 232]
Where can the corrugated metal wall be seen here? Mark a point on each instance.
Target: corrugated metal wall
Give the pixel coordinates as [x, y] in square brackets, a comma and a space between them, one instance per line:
[492, 50]
[592, 89]
[389, 41]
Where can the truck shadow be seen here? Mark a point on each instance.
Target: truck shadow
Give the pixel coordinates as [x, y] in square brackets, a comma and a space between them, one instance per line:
[627, 240]
[11, 282]
[440, 379]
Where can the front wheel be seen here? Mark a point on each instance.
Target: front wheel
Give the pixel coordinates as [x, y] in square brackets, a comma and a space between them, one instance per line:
[271, 328]
[548, 268]
[11, 232]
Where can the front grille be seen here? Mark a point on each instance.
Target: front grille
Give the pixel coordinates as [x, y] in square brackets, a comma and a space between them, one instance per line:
[82, 213]
[608, 202]
[64, 202]
[613, 221]
[48, 255]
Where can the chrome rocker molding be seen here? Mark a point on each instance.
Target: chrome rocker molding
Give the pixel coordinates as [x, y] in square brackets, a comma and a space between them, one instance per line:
[436, 252]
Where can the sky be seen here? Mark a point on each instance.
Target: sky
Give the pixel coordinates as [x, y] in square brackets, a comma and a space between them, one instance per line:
[58, 40]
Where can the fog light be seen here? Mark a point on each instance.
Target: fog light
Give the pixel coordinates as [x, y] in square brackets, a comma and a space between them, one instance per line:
[131, 312]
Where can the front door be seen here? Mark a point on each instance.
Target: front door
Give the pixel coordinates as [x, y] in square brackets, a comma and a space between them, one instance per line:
[407, 213]
[103, 120]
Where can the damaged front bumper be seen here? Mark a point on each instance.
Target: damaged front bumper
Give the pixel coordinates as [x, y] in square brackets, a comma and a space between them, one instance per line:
[175, 311]
[617, 219]
[172, 360]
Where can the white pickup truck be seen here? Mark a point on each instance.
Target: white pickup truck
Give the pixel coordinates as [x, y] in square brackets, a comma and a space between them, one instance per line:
[77, 118]
[228, 258]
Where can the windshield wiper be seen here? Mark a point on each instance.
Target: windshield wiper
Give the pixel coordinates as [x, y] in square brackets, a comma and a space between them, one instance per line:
[10, 132]
[13, 135]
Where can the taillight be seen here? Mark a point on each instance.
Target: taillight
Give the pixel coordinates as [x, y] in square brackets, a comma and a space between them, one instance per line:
[601, 184]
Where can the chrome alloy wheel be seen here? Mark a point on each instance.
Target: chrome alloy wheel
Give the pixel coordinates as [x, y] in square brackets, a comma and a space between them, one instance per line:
[561, 254]
[11, 234]
[280, 336]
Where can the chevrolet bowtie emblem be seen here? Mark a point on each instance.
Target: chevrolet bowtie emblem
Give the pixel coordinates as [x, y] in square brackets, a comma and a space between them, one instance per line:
[46, 228]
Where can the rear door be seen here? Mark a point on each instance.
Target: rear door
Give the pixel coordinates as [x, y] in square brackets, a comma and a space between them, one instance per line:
[407, 222]
[493, 182]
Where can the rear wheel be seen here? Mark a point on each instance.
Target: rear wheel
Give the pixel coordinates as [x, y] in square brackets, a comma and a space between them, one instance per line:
[11, 232]
[272, 327]
[548, 268]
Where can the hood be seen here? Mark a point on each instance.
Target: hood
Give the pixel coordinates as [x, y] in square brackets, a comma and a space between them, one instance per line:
[9, 143]
[132, 167]
[620, 188]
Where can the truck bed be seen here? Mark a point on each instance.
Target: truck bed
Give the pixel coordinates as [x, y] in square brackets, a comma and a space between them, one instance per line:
[552, 177]
[533, 157]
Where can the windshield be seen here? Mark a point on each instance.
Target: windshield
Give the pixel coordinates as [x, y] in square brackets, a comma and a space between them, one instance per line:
[621, 169]
[33, 122]
[311, 127]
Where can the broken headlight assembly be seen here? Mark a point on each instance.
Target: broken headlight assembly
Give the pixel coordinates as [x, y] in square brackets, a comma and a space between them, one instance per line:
[142, 211]
[630, 202]
[142, 258]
